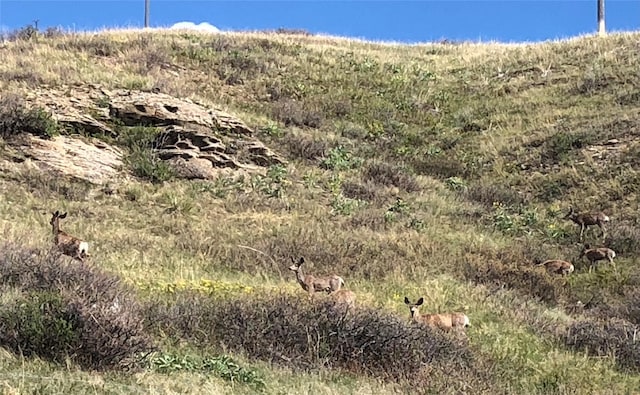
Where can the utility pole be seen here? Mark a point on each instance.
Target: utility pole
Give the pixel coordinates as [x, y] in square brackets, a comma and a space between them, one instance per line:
[601, 29]
[146, 13]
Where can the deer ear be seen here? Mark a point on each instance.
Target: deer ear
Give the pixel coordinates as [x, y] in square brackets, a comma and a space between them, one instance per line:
[63, 215]
[406, 300]
[292, 260]
[420, 302]
[301, 261]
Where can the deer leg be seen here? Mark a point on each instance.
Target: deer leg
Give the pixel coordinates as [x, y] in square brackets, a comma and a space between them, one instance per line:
[581, 231]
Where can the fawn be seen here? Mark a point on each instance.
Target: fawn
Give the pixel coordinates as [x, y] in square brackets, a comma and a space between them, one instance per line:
[597, 254]
[557, 266]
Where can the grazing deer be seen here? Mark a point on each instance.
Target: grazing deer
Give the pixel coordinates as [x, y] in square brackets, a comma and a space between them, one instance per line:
[446, 321]
[313, 284]
[588, 219]
[597, 254]
[557, 266]
[67, 244]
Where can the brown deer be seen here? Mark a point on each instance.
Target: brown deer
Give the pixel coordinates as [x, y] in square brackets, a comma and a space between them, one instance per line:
[597, 254]
[557, 266]
[313, 284]
[588, 219]
[445, 322]
[67, 244]
[344, 296]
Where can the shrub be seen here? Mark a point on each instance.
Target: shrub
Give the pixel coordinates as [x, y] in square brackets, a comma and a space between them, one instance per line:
[355, 190]
[339, 158]
[561, 144]
[88, 314]
[624, 238]
[612, 337]
[17, 118]
[525, 278]
[441, 167]
[295, 332]
[390, 175]
[488, 194]
[306, 147]
[39, 324]
[292, 112]
[141, 157]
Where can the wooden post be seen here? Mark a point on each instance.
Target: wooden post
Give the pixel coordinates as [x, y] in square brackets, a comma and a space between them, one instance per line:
[601, 29]
[146, 13]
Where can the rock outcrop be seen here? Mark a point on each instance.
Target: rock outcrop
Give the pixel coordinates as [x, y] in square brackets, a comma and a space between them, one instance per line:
[197, 141]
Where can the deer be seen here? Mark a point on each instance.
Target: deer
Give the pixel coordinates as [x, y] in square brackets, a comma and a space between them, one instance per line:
[67, 244]
[445, 321]
[313, 284]
[344, 296]
[588, 219]
[597, 254]
[557, 266]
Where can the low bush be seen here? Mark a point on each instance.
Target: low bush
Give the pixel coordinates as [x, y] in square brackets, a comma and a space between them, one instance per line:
[39, 324]
[523, 277]
[390, 175]
[295, 332]
[488, 194]
[306, 147]
[16, 118]
[624, 238]
[611, 337]
[142, 158]
[71, 310]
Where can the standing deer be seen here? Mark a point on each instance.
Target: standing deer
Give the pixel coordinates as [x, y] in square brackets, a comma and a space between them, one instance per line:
[557, 266]
[313, 284]
[588, 219]
[446, 321]
[597, 254]
[67, 244]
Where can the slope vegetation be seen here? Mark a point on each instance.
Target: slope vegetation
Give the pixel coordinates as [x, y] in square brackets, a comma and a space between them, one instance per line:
[440, 171]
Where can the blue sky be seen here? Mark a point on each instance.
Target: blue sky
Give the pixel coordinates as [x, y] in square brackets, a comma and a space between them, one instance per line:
[405, 21]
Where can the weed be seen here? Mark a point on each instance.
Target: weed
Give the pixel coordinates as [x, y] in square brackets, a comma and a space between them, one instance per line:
[340, 159]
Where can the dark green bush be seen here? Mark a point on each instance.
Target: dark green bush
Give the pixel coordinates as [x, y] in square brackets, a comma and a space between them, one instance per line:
[16, 118]
[89, 315]
[39, 324]
[140, 142]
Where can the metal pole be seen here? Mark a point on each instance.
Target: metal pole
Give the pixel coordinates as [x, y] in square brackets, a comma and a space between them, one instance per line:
[601, 29]
[146, 13]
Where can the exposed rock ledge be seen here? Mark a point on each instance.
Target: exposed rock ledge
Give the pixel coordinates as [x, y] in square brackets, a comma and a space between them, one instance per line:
[197, 141]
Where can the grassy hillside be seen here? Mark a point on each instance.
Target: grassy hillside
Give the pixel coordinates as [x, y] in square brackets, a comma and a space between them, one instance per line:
[439, 170]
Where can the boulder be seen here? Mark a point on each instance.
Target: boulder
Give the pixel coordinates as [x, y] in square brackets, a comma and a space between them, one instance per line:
[195, 139]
